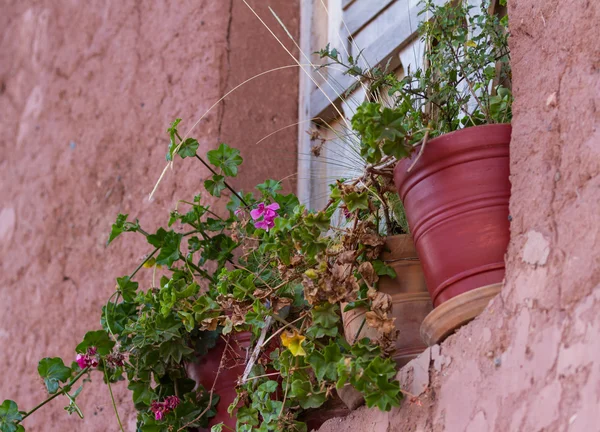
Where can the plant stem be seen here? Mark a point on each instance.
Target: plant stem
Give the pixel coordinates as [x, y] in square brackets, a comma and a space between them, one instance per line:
[62, 391]
[112, 398]
[226, 184]
[143, 262]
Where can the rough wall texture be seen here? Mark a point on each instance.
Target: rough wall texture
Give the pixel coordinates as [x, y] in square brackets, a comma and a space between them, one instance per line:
[87, 90]
[530, 361]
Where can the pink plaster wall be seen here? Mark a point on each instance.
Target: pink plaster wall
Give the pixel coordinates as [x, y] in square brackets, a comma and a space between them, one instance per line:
[87, 90]
[531, 361]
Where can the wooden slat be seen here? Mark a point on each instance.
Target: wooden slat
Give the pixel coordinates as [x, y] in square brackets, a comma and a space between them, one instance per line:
[347, 3]
[362, 12]
[377, 54]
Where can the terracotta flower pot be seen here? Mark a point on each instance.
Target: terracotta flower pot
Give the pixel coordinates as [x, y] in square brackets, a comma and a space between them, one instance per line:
[456, 200]
[410, 300]
[206, 369]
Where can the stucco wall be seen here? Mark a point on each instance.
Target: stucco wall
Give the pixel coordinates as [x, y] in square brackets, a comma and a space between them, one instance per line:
[530, 362]
[87, 90]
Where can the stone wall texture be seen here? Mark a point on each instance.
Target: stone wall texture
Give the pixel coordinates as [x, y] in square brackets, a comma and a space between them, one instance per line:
[87, 90]
[530, 362]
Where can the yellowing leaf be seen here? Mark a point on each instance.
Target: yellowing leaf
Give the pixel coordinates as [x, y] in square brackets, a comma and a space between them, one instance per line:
[293, 341]
[471, 44]
[150, 263]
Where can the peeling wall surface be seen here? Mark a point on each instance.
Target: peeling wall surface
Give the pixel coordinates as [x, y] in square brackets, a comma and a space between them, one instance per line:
[87, 91]
[530, 362]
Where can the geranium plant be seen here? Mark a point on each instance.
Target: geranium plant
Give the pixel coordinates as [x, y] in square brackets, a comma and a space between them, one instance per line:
[270, 267]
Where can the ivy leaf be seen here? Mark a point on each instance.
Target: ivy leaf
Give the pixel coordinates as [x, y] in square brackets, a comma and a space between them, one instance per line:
[247, 415]
[269, 187]
[98, 339]
[355, 201]
[9, 416]
[53, 371]
[382, 269]
[174, 349]
[142, 392]
[306, 395]
[320, 220]
[172, 131]
[325, 365]
[226, 158]
[385, 396]
[188, 148]
[268, 386]
[168, 242]
[118, 316]
[120, 226]
[127, 288]
[326, 315]
[215, 186]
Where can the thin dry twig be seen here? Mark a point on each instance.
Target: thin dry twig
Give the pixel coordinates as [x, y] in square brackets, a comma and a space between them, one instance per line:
[257, 348]
[420, 151]
[212, 389]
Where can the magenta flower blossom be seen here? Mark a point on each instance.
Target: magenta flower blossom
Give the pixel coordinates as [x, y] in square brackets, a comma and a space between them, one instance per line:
[161, 409]
[81, 360]
[268, 213]
[89, 359]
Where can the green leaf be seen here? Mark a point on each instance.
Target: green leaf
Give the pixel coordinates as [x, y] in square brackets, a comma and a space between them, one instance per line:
[142, 392]
[269, 187]
[247, 415]
[188, 148]
[226, 158]
[168, 242]
[175, 350]
[325, 365]
[120, 226]
[306, 395]
[127, 288]
[385, 395]
[382, 269]
[172, 131]
[268, 386]
[320, 220]
[326, 315]
[215, 186]
[355, 201]
[53, 371]
[9, 416]
[98, 339]
[217, 428]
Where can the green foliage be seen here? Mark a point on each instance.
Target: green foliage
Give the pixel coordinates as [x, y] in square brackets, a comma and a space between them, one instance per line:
[226, 158]
[10, 416]
[465, 82]
[53, 371]
[98, 339]
[120, 226]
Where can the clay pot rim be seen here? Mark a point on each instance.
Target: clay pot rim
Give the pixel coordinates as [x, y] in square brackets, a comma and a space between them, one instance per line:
[460, 144]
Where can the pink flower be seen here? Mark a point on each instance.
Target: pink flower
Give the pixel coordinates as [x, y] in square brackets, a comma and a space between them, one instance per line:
[171, 402]
[239, 213]
[267, 213]
[81, 361]
[161, 409]
[115, 360]
[89, 359]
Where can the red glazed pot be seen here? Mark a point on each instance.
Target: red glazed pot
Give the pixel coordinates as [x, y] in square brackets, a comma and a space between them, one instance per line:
[456, 200]
[206, 369]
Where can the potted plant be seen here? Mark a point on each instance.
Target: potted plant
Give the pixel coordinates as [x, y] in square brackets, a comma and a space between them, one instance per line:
[234, 332]
[448, 129]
